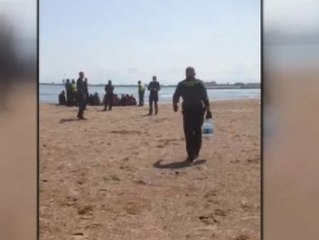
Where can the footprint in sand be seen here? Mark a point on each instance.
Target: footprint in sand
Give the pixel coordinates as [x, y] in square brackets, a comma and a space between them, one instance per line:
[211, 196]
[141, 182]
[93, 225]
[80, 235]
[220, 212]
[253, 160]
[208, 219]
[137, 207]
[242, 237]
[234, 161]
[87, 209]
[126, 132]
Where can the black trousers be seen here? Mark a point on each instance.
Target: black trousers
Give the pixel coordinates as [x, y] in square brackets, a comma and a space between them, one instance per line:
[141, 99]
[69, 97]
[153, 99]
[82, 105]
[108, 101]
[193, 119]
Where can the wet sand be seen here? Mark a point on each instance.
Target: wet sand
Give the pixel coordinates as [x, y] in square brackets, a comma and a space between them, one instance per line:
[120, 175]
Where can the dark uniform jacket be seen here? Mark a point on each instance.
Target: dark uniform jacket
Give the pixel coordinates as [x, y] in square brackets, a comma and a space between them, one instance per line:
[193, 93]
[154, 87]
[109, 89]
[81, 87]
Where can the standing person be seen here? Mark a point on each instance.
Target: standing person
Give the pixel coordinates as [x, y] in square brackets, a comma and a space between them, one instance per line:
[86, 92]
[73, 93]
[68, 89]
[195, 104]
[108, 95]
[141, 92]
[153, 87]
[81, 95]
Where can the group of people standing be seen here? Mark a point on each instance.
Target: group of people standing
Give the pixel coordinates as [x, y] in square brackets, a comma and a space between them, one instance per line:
[80, 95]
[191, 90]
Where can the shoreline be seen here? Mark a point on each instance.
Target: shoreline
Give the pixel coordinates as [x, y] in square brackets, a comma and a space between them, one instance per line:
[165, 103]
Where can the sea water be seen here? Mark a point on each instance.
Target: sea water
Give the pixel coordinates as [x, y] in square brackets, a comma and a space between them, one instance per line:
[49, 93]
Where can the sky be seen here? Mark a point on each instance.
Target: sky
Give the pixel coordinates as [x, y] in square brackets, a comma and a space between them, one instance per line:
[131, 40]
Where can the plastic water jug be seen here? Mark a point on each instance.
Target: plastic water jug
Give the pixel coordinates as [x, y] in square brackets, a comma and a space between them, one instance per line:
[208, 128]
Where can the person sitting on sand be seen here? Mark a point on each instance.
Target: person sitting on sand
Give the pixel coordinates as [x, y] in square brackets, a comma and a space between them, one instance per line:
[62, 100]
[91, 100]
[96, 99]
[133, 100]
[123, 100]
[108, 95]
[195, 104]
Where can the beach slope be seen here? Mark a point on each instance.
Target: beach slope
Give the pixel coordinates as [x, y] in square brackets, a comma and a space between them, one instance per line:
[120, 175]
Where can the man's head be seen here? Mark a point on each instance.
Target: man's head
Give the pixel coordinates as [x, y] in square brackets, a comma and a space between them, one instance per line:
[68, 80]
[109, 82]
[81, 74]
[139, 82]
[190, 73]
[73, 81]
[85, 79]
[154, 78]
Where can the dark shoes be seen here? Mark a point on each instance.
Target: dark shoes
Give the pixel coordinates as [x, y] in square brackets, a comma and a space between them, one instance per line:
[192, 158]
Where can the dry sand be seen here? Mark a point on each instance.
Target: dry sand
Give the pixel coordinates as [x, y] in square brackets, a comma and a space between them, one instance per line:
[119, 175]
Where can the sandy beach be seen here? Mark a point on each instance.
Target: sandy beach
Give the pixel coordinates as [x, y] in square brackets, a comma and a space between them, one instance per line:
[120, 175]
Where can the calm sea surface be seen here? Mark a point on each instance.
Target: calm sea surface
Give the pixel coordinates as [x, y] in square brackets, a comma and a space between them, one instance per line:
[49, 93]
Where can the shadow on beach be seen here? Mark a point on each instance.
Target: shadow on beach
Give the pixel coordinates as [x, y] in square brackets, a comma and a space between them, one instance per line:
[146, 115]
[177, 165]
[68, 120]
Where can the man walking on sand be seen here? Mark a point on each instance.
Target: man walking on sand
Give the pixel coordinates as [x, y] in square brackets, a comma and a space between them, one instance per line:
[153, 87]
[81, 95]
[195, 104]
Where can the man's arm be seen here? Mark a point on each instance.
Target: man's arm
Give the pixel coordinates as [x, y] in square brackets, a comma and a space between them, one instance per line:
[176, 96]
[205, 98]
[158, 87]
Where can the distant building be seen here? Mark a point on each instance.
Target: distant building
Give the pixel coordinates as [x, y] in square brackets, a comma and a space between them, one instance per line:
[240, 84]
[253, 85]
[211, 83]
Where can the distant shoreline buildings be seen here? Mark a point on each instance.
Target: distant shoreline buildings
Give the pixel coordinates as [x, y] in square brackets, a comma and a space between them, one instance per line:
[238, 85]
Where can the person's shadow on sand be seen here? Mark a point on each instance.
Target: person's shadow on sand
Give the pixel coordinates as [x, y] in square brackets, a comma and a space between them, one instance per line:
[177, 165]
[68, 120]
[147, 115]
